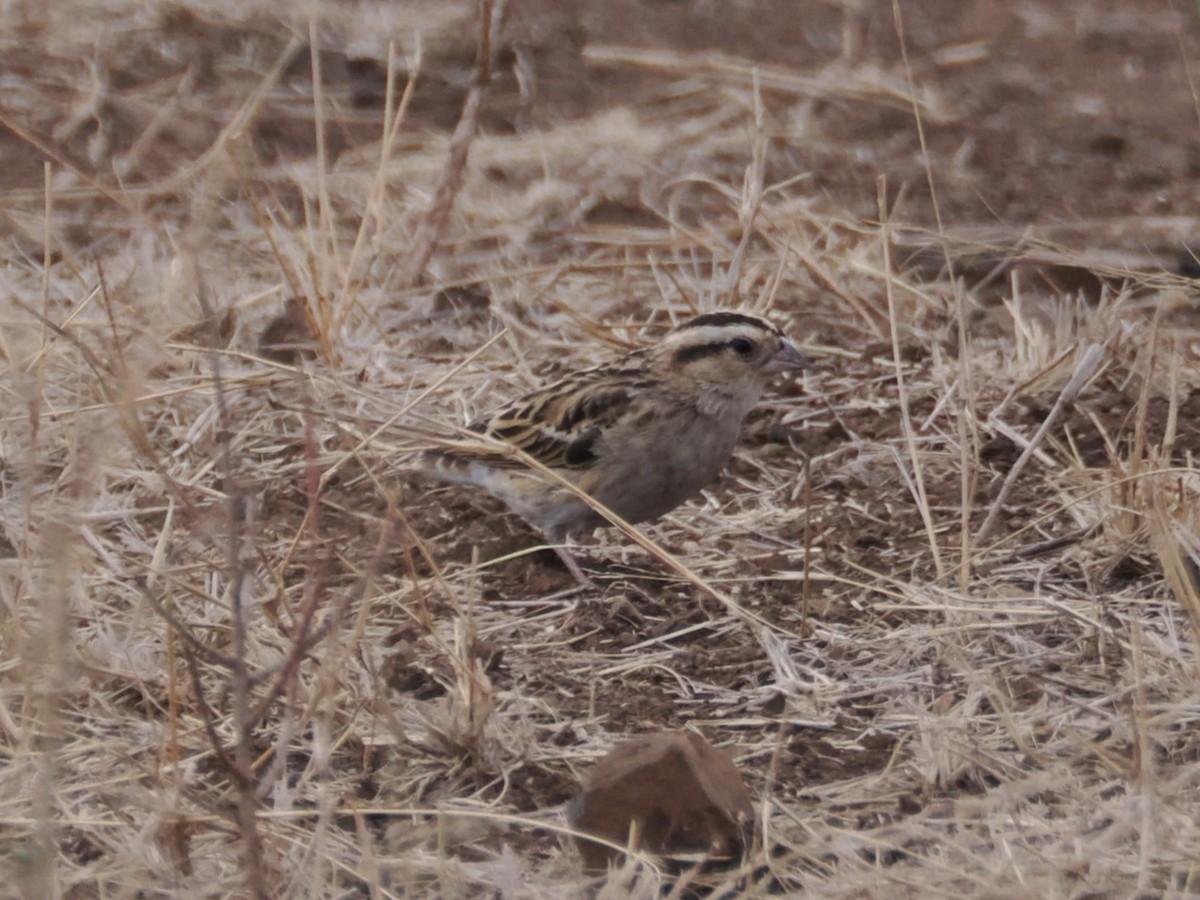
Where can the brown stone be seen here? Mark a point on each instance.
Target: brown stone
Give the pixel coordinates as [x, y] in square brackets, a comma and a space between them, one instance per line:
[685, 796]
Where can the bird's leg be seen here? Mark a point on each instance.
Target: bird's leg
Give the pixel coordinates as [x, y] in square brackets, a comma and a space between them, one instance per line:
[572, 566]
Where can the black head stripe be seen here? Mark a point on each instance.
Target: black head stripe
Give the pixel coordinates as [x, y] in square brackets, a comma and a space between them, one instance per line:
[698, 351]
[726, 318]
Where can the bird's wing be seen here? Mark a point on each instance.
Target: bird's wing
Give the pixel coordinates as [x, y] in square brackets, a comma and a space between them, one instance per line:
[560, 425]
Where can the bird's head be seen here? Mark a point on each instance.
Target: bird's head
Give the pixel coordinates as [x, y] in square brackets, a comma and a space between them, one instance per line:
[727, 348]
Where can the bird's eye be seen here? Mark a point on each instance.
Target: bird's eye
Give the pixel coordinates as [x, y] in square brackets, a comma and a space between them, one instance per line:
[742, 346]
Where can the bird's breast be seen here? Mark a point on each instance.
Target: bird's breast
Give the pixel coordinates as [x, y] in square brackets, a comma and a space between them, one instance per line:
[649, 470]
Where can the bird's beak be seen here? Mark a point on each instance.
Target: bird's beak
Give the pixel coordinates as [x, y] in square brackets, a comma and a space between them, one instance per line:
[787, 359]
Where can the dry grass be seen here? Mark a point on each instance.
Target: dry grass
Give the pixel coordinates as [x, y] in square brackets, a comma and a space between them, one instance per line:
[241, 651]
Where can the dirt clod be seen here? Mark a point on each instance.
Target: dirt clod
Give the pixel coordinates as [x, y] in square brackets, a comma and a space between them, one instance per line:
[675, 791]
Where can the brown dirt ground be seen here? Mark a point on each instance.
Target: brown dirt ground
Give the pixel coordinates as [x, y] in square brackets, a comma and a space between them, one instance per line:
[1043, 116]
[1070, 124]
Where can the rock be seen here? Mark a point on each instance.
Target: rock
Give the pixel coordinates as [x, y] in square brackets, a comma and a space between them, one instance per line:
[685, 795]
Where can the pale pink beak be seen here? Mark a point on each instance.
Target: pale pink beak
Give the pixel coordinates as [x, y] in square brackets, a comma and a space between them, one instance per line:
[787, 359]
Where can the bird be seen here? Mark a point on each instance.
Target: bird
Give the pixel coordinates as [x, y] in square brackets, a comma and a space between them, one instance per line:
[639, 434]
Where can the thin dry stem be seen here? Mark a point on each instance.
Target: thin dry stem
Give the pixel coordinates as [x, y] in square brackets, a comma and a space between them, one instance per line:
[491, 15]
[1089, 362]
[910, 437]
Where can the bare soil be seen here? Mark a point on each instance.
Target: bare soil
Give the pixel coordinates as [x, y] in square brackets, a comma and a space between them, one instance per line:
[1018, 722]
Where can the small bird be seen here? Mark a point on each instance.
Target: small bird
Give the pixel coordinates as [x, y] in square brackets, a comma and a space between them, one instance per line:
[640, 434]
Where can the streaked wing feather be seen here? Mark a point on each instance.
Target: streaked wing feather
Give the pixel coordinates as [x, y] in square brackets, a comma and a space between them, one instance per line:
[559, 425]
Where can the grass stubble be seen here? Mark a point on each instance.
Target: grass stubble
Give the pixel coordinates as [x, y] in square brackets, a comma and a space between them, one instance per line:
[242, 656]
